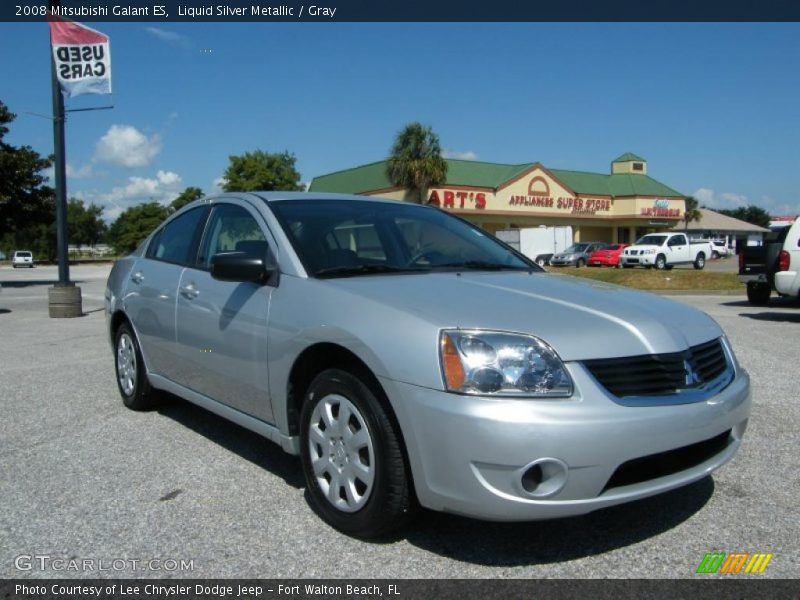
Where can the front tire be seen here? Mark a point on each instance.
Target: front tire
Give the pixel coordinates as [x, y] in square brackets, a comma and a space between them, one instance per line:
[352, 457]
[580, 263]
[132, 382]
[700, 261]
[758, 293]
[661, 262]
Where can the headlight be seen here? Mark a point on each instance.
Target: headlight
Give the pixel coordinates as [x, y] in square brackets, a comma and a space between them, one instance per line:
[505, 364]
[651, 251]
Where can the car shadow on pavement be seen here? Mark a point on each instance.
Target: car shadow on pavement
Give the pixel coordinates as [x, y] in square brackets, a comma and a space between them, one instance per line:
[21, 283]
[4, 311]
[775, 302]
[541, 542]
[236, 439]
[777, 317]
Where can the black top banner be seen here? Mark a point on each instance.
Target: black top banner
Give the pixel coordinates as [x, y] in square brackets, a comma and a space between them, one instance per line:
[405, 10]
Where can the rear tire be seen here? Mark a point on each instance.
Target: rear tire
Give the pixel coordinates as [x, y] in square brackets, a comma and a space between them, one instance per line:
[132, 382]
[758, 293]
[357, 477]
[700, 261]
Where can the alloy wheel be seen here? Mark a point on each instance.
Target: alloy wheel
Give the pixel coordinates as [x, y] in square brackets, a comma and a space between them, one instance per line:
[126, 364]
[341, 452]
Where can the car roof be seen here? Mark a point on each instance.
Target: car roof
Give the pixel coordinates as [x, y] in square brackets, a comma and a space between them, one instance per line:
[281, 196]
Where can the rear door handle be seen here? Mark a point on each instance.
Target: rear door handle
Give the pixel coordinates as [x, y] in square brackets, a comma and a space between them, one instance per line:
[189, 291]
[137, 277]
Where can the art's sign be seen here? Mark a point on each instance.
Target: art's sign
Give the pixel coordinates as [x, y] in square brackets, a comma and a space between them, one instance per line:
[82, 58]
[457, 199]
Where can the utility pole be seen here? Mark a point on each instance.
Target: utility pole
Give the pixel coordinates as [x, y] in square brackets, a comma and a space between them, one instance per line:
[64, 298]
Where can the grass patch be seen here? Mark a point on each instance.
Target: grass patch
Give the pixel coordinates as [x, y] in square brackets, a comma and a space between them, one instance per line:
[676, 279]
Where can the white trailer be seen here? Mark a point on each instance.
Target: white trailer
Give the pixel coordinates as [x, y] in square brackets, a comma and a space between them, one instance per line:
[538, 243]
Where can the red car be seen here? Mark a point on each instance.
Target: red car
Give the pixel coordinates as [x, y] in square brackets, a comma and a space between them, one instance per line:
[607, 257]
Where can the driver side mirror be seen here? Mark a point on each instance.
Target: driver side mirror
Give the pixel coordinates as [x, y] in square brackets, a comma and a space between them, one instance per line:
[241, 267]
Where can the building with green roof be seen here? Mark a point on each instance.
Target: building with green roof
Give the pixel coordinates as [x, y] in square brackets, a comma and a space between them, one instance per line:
[615, 207]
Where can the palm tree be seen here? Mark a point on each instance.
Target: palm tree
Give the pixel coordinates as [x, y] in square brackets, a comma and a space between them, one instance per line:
[692, 212]
[416, 161]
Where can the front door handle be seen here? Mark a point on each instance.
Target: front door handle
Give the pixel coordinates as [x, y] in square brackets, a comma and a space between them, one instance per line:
[137, 277]
[189, 291]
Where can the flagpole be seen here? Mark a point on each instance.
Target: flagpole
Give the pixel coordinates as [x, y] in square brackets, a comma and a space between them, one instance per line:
[64, 298]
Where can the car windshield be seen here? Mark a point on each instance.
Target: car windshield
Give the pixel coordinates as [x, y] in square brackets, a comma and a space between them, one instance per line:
[346, 238]
[652, 240]
[576, 248]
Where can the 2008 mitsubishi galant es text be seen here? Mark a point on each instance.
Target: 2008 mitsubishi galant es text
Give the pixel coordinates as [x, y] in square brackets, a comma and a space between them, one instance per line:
[412, 359]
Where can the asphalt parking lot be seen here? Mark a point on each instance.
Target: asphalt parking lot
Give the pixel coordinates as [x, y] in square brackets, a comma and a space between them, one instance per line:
[82, 477]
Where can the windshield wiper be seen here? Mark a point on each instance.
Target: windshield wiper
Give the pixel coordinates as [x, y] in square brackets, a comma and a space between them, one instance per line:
[366, 270]
[481, 265]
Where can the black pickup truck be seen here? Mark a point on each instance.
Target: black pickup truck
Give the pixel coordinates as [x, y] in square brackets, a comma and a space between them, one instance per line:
[758, 265]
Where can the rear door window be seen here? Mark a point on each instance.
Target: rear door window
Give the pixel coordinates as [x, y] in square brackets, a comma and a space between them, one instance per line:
[177, 241]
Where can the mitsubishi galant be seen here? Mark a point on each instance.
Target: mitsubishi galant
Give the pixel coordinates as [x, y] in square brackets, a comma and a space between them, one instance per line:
[410, 358]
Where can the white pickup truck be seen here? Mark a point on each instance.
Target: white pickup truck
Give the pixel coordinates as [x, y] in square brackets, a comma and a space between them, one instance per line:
[664, 251]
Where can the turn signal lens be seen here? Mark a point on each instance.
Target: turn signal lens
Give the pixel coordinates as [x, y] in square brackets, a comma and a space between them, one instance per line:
[453, 370]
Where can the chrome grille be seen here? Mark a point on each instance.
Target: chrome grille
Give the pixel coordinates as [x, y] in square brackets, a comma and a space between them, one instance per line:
[660, 374]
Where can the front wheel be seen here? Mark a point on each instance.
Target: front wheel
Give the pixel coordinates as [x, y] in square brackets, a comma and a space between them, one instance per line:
[352, 457]
[661, 262]
[580, 263]
[758, 293]
[700, 261]
[715, 255]
[134, 387]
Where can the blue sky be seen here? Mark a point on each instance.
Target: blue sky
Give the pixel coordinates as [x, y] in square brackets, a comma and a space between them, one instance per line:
[713, 107]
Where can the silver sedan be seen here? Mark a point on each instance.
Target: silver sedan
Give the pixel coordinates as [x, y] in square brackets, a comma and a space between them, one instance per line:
[411, 359]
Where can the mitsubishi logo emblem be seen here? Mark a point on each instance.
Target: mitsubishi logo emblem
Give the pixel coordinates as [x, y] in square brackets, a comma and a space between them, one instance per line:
[692, 378]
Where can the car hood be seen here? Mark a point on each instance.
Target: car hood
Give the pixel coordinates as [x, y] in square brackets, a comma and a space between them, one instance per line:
[579, 319]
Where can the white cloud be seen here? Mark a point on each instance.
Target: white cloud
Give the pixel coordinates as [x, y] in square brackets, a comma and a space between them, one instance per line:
[72, 172]
[468, 155]
[711, 199]
[168, 177]
[126, 146]
[170, 37]
[216, 185]
[80, 172]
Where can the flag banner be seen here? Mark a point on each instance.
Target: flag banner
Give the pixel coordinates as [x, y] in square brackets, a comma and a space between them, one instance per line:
[82, 58]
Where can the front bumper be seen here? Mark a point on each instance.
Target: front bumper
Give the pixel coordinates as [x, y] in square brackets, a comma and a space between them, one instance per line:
[563, 262]
[640, 260]
[603, 262]
[468, 453]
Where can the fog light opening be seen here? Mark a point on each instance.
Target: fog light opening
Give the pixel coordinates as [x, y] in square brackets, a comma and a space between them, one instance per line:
[532, 478]
[543, 477]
